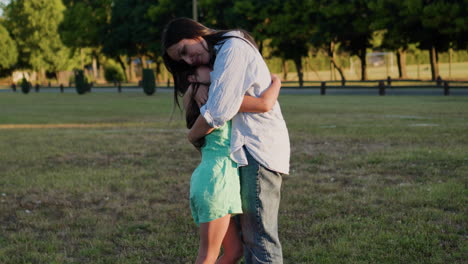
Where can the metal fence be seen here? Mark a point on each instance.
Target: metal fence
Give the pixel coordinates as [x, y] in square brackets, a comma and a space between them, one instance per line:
[380, 87]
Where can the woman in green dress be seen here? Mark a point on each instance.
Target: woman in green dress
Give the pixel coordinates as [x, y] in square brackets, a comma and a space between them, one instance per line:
[214, 186]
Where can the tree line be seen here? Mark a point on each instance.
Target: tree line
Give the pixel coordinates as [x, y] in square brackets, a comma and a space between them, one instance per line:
[58, 35]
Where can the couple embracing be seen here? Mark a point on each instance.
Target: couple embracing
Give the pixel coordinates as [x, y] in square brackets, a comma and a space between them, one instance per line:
[235, 121]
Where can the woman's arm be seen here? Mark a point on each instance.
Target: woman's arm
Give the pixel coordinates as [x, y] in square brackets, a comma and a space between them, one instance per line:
[199, 130]
[265, 102]
[261, 104]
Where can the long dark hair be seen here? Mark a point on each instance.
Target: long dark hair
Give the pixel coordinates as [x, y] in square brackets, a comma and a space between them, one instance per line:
[186, 28]
[192, 111]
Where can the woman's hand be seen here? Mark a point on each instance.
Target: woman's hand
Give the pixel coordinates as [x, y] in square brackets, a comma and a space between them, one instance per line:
[202, 95]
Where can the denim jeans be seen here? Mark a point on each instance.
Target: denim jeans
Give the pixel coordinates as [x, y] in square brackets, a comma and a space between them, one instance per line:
[260, 192]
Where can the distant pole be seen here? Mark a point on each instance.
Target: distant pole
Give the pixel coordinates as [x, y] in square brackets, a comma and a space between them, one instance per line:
[387, 61]
[450, 62]
[194, 10]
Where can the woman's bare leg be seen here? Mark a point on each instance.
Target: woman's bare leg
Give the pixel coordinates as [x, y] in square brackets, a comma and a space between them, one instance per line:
[232, 245]
[211, 237]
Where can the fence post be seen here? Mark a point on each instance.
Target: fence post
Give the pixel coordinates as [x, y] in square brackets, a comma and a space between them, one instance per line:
[61, 88]
[389, 81]
[119, 87]
[323, 88]
[446, 88]
[439, 81]
[381, 88]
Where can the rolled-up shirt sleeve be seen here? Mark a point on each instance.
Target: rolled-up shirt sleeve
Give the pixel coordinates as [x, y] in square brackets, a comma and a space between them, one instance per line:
[229, 82]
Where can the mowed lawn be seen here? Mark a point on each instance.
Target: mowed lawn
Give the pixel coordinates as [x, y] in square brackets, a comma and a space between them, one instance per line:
[104, 178]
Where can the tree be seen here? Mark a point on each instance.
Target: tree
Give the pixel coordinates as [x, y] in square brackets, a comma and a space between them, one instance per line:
[326, 29]
[398, 29]
[348, 22]
[160, 14]
[8, 50]
[132, 31]
[442, 24]
[255, 17]
[290, 33]
[219, 14]
[84, 25]
[34, 26]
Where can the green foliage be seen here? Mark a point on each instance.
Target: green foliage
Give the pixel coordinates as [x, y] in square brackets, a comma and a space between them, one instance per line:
[8, 50]
[33, 25]
[113, 72]
[290, 32]
[253, 16]
[85, 22]
[81, 83]
[444, 22]
[160, 14]
[149, 82]
[218, 14]
[131, 31]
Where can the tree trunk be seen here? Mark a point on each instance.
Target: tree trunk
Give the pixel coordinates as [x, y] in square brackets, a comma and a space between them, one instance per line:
[298, 63]
[95, 68]
[331, 55]
[158, 70]
[450, 62]
[260, 47]
[434, 63]
[100, 70]
[143, 62]
[122, 64]
[82, 58]
[285, 70]
[131, 69]
[401, 60]
[362, 57]
[419, 70]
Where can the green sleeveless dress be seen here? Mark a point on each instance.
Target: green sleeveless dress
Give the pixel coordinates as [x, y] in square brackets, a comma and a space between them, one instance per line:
[214, 186]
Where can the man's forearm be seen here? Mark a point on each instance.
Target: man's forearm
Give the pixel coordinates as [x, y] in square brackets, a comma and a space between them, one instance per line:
[199, 130]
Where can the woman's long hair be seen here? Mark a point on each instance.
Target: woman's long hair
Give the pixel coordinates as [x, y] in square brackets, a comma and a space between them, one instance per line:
[186, 28]
[192, 112]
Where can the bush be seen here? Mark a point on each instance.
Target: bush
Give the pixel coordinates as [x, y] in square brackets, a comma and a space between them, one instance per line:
[113, 73]
[149, 82]
[81, 83]
[25, 86]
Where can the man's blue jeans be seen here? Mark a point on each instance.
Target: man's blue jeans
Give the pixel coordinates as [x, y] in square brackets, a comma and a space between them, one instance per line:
[260, 192]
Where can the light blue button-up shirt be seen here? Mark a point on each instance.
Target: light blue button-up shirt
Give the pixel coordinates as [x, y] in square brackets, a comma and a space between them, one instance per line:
[239, 69]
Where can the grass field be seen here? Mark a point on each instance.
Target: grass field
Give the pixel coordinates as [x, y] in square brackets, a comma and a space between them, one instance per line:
[104, 178]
